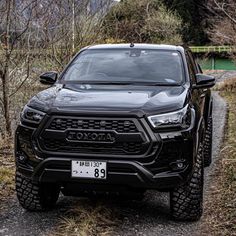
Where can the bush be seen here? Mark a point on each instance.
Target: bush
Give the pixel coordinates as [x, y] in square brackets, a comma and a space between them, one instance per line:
[142, 21]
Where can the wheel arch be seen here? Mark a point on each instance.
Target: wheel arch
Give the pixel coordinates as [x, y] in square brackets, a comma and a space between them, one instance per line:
[199, 135]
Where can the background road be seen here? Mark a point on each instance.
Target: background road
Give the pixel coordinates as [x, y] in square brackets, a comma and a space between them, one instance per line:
[148, 217]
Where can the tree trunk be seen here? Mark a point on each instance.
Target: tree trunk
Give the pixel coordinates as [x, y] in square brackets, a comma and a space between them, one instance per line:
[5, 74]
[6, 103]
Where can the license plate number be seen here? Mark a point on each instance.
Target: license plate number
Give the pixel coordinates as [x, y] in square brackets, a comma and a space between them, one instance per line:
[89, 169]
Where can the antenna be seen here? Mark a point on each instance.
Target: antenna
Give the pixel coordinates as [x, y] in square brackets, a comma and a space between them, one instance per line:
[131, 45]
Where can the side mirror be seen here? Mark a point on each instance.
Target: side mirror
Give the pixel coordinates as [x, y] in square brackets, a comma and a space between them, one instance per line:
[48, 77]
[204, 81]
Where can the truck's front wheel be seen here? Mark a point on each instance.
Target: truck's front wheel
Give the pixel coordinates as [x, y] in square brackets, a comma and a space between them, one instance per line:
[35, 197]
[186, 200]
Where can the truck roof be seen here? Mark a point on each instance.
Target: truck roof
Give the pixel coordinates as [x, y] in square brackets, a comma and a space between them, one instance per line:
[137, 45]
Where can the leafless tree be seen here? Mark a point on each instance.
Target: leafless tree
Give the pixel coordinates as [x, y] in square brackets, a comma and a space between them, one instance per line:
[15, 56]
[142, 21]
[223, 21]
[54, 29]
[76, 26]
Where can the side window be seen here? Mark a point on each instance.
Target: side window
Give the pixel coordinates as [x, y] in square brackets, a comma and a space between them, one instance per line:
[191, 68]
[193, 61]
[199, 68]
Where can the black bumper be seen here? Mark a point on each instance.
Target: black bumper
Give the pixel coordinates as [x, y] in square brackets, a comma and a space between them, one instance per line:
[129, 174]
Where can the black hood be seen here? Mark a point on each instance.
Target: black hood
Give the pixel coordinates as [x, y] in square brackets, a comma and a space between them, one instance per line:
[139, 100]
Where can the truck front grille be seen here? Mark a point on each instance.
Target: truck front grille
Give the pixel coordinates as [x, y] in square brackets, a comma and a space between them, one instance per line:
[122, 148]
[121, 126]
[60, 140]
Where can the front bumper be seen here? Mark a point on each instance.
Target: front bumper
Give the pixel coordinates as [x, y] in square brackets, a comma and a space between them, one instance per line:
[126, 173]
[159, 172]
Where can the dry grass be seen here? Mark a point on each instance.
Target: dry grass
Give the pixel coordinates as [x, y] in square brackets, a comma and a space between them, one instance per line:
[221, 204]
[29, 88]
[7, 170]
[227, 87]
[87, 218]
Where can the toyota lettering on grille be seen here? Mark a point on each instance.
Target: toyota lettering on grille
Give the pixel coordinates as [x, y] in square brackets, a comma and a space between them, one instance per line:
[91, 136]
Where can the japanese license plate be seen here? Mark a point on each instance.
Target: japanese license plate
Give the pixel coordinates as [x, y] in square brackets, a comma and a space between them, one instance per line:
[89, 169]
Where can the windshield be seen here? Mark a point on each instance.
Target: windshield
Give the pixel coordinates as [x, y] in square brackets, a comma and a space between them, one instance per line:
[126, 66]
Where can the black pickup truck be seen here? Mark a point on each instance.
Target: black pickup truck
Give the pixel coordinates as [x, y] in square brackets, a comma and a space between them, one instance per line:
[121, 118]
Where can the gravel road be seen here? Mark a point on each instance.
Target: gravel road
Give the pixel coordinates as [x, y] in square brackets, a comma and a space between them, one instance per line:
[149, 217]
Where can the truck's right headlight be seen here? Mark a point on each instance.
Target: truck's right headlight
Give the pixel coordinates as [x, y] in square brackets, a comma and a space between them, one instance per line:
[31, 115]
[177, 119]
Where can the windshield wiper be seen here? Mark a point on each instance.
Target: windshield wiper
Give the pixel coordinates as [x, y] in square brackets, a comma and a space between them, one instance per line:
[161, 84]
[99, 82]
[111, 82]
[144, 83]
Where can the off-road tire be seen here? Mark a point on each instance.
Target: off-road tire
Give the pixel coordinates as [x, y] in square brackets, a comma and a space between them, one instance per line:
[186, 201]
[35, 197]
[208, 143]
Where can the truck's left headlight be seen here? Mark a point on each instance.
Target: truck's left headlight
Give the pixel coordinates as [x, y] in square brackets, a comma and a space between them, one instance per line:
[31, 115]
[177, 119]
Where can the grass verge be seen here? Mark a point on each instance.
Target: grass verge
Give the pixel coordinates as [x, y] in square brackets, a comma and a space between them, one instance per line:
[221, 204]
[7, 170]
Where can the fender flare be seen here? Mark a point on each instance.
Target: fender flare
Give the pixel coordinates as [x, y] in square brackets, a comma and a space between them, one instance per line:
[199, 134]
[210, 108]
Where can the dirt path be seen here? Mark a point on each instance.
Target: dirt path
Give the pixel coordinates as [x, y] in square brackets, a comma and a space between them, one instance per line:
[149, 217]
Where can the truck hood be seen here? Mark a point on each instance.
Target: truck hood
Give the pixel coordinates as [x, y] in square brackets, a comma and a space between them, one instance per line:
[113, 98]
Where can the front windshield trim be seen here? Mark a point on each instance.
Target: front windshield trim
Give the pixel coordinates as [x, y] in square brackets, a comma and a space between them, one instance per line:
[62, 79]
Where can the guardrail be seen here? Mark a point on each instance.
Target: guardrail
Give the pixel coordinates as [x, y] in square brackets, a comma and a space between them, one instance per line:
[208, 49]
